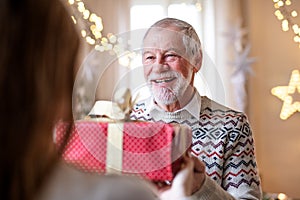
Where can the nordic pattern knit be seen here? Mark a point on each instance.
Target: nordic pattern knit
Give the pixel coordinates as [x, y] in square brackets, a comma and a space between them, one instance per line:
[222, 139]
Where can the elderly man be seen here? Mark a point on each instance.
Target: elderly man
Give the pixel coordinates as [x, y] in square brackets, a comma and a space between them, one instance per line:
[222, 138]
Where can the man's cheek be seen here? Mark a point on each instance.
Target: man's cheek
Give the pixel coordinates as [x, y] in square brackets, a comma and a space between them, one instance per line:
[146, 73]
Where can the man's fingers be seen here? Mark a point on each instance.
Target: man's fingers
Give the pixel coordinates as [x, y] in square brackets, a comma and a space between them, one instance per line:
[188, 162]
[198, 181]
[199, 166]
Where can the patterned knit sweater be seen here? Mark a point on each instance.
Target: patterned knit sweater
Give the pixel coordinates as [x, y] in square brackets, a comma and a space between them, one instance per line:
[223, 140]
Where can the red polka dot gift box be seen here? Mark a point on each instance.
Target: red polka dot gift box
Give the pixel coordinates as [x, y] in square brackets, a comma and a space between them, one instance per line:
[151, 150]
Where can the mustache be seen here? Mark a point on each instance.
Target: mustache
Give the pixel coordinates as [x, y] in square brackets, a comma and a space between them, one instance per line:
[169, 74]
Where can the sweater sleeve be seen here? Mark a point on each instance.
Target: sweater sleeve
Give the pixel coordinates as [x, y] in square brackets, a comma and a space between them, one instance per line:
[240, 178]
[240, 173]
[211, 191]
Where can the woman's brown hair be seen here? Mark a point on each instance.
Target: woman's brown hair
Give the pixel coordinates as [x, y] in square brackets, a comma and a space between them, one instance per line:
[38, 48]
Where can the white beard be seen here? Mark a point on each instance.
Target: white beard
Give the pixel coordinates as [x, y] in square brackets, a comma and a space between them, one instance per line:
[167, 96]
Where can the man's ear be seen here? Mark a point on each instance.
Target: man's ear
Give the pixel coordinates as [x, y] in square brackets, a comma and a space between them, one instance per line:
[195, 69]
[198, 62]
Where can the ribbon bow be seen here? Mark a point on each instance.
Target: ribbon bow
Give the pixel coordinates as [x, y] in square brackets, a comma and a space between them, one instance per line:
[117, 110]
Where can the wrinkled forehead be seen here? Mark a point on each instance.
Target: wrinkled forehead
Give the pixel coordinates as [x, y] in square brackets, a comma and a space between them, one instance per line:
[164, 38]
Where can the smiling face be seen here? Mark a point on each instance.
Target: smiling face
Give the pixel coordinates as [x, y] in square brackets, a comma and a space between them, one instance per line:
[166, 66]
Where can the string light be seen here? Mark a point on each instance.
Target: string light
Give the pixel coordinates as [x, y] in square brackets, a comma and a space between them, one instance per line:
[91, 28]
[286, 17]
[282, 196]
[290, 106]
[198, 6]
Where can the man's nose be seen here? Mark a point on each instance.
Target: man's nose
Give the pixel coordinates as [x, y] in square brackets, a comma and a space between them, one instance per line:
[160, 59]
[160, 65]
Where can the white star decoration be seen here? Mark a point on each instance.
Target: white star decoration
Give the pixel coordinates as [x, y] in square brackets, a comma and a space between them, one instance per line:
[241, 67]
[290, 106]
[242, 62]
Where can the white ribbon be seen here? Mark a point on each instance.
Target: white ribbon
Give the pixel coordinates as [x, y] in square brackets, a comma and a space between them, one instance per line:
[114, 150]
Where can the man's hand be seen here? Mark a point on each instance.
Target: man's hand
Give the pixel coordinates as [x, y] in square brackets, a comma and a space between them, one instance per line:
[198, 175]
[187, 181]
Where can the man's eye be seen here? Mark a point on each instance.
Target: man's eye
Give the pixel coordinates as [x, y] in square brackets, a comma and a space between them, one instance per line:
[171, 57]
[149, 57]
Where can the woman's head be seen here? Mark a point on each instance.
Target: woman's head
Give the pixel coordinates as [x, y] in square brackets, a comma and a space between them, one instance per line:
[37, 57]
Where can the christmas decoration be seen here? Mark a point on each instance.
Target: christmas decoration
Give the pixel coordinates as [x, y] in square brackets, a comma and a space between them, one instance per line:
[286, 93]
[287, 17]
[241, 63]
